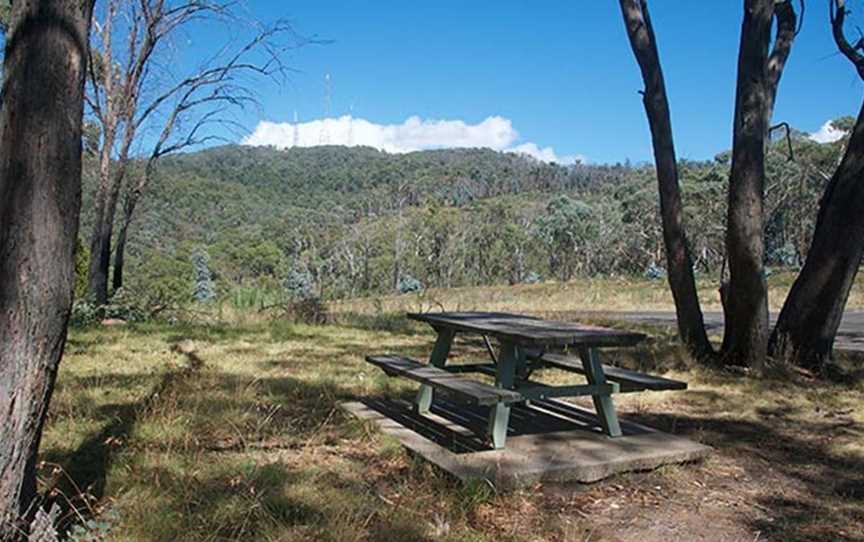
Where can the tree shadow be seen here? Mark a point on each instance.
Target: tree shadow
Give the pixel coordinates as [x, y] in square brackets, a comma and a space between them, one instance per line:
[277, 412]
[830, 508]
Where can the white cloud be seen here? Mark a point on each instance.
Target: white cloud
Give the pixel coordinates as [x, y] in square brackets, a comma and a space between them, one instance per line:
[546, 154]
[827, 134]
[412, 135]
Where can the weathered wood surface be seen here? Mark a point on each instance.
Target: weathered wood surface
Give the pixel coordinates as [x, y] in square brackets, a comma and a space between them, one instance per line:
[527, 330]
[630, 380]
[475, 392]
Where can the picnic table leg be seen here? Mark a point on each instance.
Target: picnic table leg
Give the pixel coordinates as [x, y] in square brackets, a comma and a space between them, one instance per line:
[509, 358]
[602, 402]
[437, 359]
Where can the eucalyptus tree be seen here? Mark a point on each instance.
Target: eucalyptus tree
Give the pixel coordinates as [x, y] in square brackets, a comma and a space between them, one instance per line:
[760, 67]
[40, 199]
[130, 92]
[813, 310]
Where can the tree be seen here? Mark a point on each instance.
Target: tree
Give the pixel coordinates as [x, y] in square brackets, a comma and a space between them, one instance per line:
[40, 198]
[811, 314]
[759, 74]
[125, 97]
[205, 289]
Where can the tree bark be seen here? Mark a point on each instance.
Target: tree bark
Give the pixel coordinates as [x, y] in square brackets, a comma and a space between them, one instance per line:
[40, 197]
[691, 327]
[807, 325]
[745, 340]
[120, 249]
[808, 322]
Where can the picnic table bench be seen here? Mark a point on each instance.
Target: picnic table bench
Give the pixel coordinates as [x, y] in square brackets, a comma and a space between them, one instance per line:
[525, 344]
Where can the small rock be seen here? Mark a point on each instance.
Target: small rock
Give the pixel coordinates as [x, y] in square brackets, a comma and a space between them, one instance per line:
[113, 322]
[185, 346]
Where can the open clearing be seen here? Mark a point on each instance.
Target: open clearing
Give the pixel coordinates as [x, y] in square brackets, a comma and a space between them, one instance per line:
[232, 432]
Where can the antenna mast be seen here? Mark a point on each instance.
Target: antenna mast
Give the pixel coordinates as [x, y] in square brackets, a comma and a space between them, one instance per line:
[324, 137]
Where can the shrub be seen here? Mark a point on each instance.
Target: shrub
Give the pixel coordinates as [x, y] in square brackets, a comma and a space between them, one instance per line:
[408, 284]
[83, 314]
[655, 272]
[307, 311]
[299, 284]
[532, 278]
[205, 289]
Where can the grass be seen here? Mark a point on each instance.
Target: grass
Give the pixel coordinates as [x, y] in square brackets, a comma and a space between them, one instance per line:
[584, 294]
[240, 438]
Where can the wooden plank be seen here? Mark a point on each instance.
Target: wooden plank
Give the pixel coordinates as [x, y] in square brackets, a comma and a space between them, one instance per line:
[475, 392]
[629, 379]
[527, 330]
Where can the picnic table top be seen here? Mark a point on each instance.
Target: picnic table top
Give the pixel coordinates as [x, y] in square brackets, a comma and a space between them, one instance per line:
[529, 330]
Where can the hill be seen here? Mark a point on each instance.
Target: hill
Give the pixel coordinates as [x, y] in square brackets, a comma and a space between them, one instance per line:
[348, 221]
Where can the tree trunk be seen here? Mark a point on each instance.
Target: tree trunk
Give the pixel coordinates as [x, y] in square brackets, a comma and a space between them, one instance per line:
[745, 341]
[103, 232]
[808, 323]
[120, 247]
[40, 198]
[691, 327]
[120, 252]
[100, 259]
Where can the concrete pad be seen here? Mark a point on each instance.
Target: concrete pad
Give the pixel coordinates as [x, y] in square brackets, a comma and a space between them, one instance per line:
[547, 441]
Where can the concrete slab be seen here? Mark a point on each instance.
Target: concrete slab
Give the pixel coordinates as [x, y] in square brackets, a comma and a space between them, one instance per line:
[548, 441]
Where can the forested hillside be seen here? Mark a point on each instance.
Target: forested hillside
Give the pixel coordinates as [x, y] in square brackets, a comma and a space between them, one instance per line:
[337, 221]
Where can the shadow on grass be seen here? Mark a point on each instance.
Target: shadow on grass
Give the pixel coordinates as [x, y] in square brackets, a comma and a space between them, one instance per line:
[829, 508]
[392, 322]
[188, 483]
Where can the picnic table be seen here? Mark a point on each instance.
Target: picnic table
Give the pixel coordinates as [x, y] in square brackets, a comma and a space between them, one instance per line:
[525, 344]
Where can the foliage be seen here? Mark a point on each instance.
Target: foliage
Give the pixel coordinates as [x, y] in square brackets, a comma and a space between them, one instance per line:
[159, 285]
[310, 310]
[299, 284]
[329, 221]
[655, 272]
[82, 262]
[408, 284]
[205, 289]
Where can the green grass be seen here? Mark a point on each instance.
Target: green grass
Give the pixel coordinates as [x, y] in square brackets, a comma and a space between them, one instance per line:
[244, 440]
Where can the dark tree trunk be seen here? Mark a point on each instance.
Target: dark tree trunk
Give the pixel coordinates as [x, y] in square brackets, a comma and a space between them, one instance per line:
[100, 244]
[100, 260]
[691, 326]
[745, 341]
[808, 323]
[120, 246]
[40, 197]
[120, 254]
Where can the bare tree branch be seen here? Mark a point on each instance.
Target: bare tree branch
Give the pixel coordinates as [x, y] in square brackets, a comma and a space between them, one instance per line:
[837, 12]
[784, 14]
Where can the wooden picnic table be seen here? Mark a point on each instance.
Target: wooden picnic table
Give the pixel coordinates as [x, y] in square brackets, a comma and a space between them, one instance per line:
[524, 344]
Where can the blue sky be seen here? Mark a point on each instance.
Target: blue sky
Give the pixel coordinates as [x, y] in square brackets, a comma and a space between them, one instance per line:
[561, 73]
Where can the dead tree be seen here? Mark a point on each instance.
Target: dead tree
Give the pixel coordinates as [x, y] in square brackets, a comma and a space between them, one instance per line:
[124, 97]
[195, 104]
[40, 198]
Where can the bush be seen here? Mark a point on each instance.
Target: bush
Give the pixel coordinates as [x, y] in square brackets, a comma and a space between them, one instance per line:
[307, 311]
[205, 289]
[299, 284]
[655, 272]
[84, 314]
[408, 284]
[532, 278]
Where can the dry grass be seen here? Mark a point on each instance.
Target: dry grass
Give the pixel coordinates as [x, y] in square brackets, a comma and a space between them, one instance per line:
[584, 294]
[243, 440]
